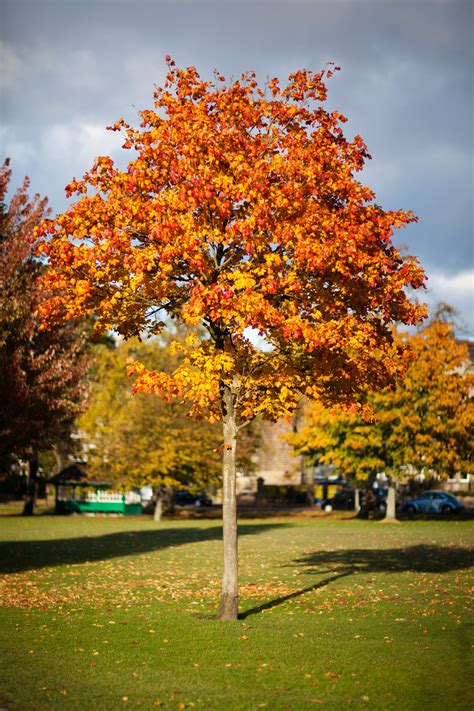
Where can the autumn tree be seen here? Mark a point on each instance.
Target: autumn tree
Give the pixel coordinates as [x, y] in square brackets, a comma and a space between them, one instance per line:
[423, 425]
[428, 419]
[139, 440]
[42, 370]
[239, 211]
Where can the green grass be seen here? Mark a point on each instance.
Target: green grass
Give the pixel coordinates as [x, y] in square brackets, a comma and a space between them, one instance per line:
[108, 613]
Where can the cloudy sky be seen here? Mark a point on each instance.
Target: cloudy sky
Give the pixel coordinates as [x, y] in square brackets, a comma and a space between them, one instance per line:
[71, 67]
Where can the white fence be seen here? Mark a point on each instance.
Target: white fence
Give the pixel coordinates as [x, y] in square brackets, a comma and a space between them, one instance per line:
[68, 493]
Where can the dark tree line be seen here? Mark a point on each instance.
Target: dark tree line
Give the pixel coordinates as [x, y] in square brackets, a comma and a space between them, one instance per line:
[42, 368]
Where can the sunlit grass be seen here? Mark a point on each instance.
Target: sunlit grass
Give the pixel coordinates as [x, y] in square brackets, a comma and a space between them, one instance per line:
[117, 613]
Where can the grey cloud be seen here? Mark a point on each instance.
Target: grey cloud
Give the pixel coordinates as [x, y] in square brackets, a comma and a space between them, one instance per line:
[72, 67]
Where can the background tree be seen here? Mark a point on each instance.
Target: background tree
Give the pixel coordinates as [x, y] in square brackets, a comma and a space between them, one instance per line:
[142, 440]
[428, 420]
[239, 210]
[42, 370]
[423, 425]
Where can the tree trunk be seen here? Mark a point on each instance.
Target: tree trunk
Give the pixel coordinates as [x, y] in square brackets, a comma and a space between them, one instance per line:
[30, 497]
[366, 502]
[158, 512]
[229, 596]
[391, 502]
[357, 499]
[168, 499]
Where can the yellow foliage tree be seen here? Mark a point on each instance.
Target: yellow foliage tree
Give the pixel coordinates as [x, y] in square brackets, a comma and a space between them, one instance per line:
[424, 424]
[134, 440]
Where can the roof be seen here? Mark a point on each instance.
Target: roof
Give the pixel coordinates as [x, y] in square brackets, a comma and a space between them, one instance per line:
[85, 482]
[74, 472]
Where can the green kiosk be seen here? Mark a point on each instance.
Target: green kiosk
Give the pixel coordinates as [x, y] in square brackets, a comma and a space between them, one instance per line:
[76, 494]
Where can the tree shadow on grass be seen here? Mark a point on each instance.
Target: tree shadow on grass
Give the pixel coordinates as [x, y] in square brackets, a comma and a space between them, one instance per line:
[284, 598]
[19, 556]
[342, 563]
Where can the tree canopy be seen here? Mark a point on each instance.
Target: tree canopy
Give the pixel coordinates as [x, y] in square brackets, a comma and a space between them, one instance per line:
[240, 210]
[42, 369]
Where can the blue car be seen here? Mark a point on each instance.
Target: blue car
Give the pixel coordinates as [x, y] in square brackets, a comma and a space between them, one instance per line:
[432, 502]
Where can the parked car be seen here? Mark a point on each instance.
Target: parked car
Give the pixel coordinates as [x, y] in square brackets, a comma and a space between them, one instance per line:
[183, 497]
[344, 500]
[380, 501]
[432, 502]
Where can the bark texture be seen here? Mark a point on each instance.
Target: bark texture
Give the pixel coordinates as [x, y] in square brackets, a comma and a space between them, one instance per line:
[229, 598]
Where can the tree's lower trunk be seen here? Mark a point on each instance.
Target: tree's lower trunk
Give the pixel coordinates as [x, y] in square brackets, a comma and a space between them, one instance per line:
[158, 512]
[30, 497]
[364, 503]
[391, 502]
[229, 596]
[367, 497]
[168, 499]
[357, 499]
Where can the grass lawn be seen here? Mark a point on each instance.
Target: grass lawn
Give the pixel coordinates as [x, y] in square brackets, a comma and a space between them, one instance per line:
[114, 613]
